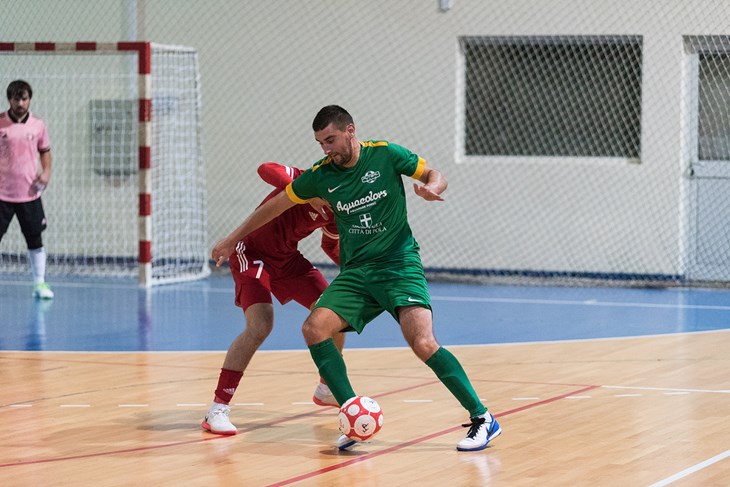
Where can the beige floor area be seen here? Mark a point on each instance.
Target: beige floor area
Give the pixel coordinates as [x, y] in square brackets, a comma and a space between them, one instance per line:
[643, 411]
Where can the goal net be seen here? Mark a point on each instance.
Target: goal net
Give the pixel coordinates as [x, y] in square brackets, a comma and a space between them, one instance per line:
[584, 141]
[127, 192]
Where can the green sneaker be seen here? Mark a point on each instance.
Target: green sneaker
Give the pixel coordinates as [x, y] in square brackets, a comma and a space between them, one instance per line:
[42, 291]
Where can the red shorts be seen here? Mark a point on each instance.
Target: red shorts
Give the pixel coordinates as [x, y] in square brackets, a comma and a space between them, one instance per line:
[255, 282]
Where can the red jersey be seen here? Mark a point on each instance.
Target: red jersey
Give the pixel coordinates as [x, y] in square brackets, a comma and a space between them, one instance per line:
[277, 241]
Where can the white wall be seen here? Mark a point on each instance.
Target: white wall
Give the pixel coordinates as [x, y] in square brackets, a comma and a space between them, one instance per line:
[267, 67]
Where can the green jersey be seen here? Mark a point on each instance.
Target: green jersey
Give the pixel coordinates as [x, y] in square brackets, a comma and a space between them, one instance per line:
[369, 201]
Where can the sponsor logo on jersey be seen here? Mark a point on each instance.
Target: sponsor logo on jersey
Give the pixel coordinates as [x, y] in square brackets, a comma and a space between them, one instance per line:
[366, 220]
[366, 226]
[332, 190]
[361, 203]
[370, 177]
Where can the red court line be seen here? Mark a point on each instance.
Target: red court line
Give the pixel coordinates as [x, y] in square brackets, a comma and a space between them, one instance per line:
[322, 410]
[259, 373]
[59, 360]
[115, 452]
[316, 412]
[406, 444]
[166, 445]
[248, 428]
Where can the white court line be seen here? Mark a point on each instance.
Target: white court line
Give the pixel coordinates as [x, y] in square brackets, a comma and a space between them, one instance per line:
[584, 302]
[79, 284]
[75, 405]
[627, 395]
[417, 400]
[132, 405]
[691, 470]
[558, 302]
[717, 391]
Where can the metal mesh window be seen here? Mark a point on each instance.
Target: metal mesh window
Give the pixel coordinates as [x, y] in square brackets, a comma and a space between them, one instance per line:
[714, 110]
[553, 96]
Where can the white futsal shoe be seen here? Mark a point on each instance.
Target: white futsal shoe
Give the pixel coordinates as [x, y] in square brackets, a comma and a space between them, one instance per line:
[481, 431]
[344, 443]
[324, 397]
[217, 421]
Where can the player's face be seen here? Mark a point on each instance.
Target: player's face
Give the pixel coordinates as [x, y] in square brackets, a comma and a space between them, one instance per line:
[337, 144]
[19, 105]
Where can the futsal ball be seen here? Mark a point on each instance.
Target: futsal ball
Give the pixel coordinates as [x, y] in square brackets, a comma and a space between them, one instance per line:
[360, 418]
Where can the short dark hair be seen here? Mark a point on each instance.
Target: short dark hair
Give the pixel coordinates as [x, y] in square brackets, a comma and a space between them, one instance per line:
[332, 114]
[18, 87]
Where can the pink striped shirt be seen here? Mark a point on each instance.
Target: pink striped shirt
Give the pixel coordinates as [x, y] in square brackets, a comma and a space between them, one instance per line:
[20, 148]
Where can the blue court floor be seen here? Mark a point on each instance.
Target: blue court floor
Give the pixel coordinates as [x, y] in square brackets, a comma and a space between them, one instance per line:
[119, 316]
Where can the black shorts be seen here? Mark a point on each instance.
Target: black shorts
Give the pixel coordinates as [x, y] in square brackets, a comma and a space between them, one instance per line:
[31, 217]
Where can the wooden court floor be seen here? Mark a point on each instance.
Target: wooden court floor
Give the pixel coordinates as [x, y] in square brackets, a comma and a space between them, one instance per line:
[646, 411]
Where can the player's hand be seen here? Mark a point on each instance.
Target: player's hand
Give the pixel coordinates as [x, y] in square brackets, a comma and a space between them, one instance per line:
[40, 183]
[320, 205]
[426, 193]
[36, 188]
[221, 252]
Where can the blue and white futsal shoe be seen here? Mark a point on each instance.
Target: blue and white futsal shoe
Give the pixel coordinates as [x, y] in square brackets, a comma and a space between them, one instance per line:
[481, 431]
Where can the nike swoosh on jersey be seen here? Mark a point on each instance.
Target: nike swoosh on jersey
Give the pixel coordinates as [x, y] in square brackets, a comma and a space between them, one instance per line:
[332, 190]
[413, 300]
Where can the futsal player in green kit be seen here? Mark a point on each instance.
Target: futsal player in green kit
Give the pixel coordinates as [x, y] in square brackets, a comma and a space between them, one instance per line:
[380, 264]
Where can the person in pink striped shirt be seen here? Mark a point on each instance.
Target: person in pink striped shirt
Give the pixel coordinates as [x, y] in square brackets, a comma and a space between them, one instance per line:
[24, 142]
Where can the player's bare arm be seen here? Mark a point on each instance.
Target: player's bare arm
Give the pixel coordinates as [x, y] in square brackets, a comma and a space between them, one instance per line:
[434, 184]
[43, 177]
[260, 217]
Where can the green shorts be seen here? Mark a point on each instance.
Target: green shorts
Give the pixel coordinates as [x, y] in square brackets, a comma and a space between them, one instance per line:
[360, 294]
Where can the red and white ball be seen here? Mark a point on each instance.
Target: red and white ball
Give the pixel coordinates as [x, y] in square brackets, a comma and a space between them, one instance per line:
[360, 418]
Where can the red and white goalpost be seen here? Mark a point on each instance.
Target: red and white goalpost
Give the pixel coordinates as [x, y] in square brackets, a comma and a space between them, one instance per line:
[121, 116]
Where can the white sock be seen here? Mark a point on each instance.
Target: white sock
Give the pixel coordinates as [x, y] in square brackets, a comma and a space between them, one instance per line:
[37, 259]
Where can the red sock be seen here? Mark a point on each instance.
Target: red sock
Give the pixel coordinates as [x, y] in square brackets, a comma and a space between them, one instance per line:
[227, 384]
[321, 380]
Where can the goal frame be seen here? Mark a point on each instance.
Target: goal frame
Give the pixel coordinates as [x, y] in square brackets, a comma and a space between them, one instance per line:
[143, 52]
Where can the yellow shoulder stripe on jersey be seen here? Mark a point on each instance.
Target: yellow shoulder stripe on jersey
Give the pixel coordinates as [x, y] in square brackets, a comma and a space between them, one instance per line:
[374, 143]
[321, 163]
[419, 169]
[296, 199]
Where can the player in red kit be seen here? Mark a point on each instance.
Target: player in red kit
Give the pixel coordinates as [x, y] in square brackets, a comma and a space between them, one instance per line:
[268, 262]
